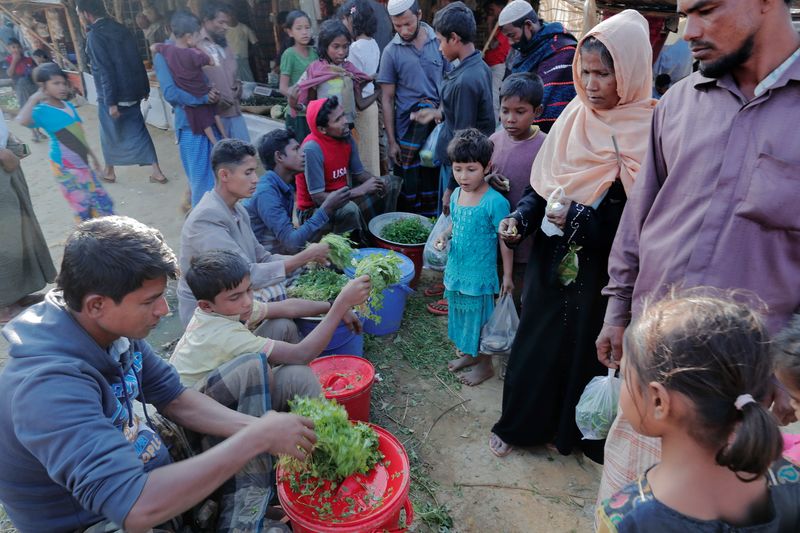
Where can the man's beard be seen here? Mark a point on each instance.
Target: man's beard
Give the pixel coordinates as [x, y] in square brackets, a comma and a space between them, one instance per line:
[414, 36]
[719, 67]
[520, 45]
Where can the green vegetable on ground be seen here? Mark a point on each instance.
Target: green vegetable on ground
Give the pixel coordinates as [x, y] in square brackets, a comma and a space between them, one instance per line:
[409, 230]
[383, 271]
[318, 284]
[342, 448]
[341, 249]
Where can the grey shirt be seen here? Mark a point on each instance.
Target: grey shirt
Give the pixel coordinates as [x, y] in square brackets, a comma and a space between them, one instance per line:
[715, 205]
[315, 165]
[416, 75]
[213, 226]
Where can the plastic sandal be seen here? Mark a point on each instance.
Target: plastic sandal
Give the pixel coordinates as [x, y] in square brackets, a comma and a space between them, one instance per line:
[439, 307]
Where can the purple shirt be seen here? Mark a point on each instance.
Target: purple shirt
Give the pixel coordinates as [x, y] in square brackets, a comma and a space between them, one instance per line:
[716, 202]
[514, 159]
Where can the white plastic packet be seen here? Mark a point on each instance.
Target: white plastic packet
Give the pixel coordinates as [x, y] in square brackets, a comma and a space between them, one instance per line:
[597, 408]
[497, 335]
[434, 258]
[555, 203]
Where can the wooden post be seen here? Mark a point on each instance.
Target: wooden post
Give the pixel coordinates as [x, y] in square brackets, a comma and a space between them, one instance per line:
[275, 33]
[56, 52]
[75, 33]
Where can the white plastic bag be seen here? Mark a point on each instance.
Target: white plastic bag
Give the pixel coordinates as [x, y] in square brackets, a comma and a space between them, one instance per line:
[555, 203]
[433, 258]
[427, 154]
[497, 335]
[597, 407]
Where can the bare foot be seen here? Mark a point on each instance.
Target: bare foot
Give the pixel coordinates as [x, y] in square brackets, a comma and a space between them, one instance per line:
[481, 371]
[498, 446]
[109, 176]
[462, 362]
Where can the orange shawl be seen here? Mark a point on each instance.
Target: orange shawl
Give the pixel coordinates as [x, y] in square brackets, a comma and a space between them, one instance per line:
[579, 153]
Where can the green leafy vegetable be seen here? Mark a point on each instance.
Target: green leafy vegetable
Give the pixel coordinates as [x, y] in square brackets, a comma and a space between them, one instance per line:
[409, 230]
[341, 249]
[342, 448]
[318, 284]
[383, 271]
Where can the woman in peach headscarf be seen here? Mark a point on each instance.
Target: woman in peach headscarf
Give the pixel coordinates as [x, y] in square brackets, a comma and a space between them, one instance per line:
[579, 183]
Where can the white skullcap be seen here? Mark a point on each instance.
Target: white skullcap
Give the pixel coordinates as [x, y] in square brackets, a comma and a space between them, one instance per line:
[398, 7]
[514, 11]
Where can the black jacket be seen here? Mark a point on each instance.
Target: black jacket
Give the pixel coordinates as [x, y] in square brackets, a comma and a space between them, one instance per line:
[118, 70]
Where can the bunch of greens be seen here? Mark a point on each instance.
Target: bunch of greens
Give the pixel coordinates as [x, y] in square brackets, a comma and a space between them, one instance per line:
[342, 448]
[341, 249]
[318, 284]
[409, 230]
[383, 271]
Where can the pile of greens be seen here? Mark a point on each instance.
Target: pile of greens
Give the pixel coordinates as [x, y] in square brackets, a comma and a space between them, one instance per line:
[342, 448]
[341, 249]
[318, 284]
[383, 271]
[409, 230]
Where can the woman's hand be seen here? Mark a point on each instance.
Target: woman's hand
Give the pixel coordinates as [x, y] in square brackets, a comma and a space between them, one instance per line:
[507, 287]
[509, 231]
[559, 216]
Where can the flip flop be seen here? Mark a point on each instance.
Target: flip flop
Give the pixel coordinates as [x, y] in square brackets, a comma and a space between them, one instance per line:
[439, 307]
[162, 181]
[508, 450]
[436, 289]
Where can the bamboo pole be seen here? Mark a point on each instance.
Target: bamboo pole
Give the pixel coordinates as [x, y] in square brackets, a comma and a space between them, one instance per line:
[54, 50]
[491, 36]
[75, 33]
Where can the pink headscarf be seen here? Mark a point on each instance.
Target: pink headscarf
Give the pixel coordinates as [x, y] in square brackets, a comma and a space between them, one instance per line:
[579, 153]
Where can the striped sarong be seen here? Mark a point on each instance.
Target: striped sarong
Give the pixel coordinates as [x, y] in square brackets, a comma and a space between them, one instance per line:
[420, 185]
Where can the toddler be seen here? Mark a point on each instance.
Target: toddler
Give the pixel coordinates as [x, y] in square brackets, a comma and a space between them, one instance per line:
[470, 277]
[186, 63]
[697, 373]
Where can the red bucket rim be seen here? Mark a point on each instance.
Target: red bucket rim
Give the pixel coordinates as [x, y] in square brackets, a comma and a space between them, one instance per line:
[399, 467]
[338, 372]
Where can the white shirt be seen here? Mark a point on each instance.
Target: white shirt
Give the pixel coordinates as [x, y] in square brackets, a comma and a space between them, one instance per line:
[366, 56]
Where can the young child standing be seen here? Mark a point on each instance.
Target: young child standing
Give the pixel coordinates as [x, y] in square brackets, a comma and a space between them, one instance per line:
[224, 323]
[19, 69]
[333, 75]
[69, 152]
[294, 62]
[697, 373]
[515, 148]
[470, 278]
[186, 62]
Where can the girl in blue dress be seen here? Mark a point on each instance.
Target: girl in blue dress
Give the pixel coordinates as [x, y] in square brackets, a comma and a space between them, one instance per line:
[470, 278]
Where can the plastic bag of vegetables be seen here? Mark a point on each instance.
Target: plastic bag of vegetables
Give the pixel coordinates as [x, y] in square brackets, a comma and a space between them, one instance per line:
[432, 257]
[597, 407]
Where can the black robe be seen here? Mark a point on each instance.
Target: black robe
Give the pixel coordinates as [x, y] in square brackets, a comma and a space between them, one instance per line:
[553, 356]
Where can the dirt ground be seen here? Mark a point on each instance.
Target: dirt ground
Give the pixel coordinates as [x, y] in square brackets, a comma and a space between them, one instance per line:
[528, 491]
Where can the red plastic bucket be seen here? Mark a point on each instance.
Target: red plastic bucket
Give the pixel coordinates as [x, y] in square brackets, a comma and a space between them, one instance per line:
[362, 503]
[348, 380]
[412, 251]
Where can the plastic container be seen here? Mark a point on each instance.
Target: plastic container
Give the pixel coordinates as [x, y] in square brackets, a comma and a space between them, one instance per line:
[412, 251]
[347, 380]
[343, 341]
[394, 297]
[362, 503]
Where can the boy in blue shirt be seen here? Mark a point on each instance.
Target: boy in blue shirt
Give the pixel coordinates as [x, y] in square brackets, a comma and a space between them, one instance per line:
[270, 208]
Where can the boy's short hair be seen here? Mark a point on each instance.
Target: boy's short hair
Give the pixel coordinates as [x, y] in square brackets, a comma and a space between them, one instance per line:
[14, 40]
[215, 271]
[324, 115]
[470, 146]
[456, 18]
[663, 80]
[230, 152]
[46, 71]
[210, 10]
[184, 22]
[271, 142]
[40, 53]
[93, 7]
[527, 86]
[112, 256]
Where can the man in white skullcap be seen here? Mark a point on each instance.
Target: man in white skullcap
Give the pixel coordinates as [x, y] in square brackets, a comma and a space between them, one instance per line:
[410, 74]
[544, 48]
